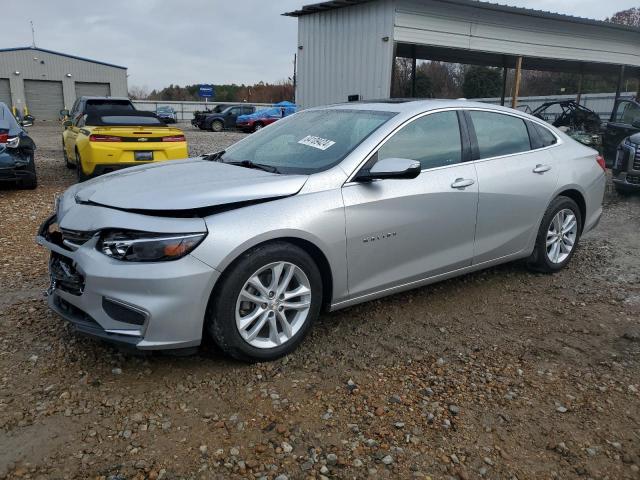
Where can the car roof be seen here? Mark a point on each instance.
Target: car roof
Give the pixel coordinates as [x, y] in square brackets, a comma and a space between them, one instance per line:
[104, 98]
[415, 106]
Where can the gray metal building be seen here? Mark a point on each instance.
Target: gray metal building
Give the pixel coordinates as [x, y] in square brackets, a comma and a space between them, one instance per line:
[347, 48]
[46, 82]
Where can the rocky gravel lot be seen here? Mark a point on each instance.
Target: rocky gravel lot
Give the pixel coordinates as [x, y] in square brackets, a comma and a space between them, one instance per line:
[502, 374]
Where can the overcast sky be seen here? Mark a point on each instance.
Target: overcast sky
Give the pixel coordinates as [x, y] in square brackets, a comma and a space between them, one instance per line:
[194, 41]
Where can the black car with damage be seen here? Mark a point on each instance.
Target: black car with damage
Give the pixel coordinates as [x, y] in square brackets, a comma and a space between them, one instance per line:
[226, 119]
[626, 167]
[17, 164]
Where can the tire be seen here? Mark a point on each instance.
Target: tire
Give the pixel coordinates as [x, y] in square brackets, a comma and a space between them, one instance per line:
[257, 127]
[82, 177]
[67, 163]
[32, 182]
[217, 126]
[546, 258]
[622, 191]
[226, 307]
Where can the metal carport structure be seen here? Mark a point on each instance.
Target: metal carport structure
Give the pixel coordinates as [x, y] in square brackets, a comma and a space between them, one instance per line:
[347, 48]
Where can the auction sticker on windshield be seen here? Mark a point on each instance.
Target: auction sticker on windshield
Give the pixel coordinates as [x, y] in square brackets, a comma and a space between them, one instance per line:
[317, 142]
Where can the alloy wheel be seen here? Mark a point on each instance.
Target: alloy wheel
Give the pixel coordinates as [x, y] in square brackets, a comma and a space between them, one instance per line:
[561, 236]
[273, 305]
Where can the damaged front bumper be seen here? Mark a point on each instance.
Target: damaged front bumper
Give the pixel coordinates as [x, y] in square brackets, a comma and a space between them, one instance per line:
[149, 306]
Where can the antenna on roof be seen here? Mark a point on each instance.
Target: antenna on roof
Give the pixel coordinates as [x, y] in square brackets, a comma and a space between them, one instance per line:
[33, 34]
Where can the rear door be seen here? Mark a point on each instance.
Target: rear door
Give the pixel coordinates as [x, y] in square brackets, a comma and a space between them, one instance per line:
[625, 122]
[403, 231]
[516, 182]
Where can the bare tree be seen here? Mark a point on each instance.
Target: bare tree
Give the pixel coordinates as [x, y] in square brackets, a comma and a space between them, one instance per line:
[629, 17]
[139, 93]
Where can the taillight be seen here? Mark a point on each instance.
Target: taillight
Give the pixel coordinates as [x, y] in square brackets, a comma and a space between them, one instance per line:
[104, 138]
[601, 162]
[4, 137]
[176, 138]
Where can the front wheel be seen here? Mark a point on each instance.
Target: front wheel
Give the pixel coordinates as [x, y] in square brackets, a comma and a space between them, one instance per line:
[266, 303]
[558, 236]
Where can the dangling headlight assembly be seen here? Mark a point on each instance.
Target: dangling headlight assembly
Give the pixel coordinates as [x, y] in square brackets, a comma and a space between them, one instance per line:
[148, 247]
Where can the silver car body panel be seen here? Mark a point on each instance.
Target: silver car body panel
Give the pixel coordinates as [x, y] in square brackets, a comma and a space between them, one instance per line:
[377, 238]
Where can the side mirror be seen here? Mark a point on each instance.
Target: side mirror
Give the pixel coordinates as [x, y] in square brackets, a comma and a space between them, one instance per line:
[392, 168]
[67, 123]
[64, 113]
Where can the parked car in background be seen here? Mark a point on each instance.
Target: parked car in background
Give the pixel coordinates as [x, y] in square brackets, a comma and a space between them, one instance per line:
[626, 122]
[199, 116]
[17, 149]
[217, 122]
[260, 119]
[626, 167]
[167, 114]
[327, 208]
[102, 141]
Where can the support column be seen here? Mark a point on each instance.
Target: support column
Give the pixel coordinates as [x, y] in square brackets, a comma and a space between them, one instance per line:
[618, 92]
[414, 63]
[505, 73]
[516, 87]
[580, 80]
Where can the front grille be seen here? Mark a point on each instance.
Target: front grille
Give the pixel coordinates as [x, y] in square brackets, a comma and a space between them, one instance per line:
[65, 276]
[636, 159]
[74, 239]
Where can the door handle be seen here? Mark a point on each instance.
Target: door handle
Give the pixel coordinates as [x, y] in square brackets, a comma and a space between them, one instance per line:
[541, 169]
[462, 183]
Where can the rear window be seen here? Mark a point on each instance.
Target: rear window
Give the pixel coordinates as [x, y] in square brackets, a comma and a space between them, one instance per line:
[546, 137]
[499, 134]
[131, 120]
[104, 105]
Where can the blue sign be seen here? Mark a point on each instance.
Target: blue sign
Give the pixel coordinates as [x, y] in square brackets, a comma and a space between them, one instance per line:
[207, 91]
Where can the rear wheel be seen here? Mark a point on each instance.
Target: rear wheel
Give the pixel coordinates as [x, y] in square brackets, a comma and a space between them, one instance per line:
[217, 126]
[266, 303]
[67, 163]
[558, 236]
[622, 191]
[258, 126]
[30, 182]
[82, 177]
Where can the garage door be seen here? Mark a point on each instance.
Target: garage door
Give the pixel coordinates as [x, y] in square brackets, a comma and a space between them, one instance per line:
[5, 92]
[86, 89]
[44, 98]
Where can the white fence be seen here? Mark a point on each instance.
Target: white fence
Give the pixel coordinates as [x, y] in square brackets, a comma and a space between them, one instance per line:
[601, 103]
[185, 110]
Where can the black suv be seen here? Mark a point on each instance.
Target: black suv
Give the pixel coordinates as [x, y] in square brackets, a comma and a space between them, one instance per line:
[626, 167]
[626, 122]
[217, 122]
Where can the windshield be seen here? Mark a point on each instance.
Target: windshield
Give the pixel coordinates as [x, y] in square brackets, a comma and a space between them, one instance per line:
[309, 142]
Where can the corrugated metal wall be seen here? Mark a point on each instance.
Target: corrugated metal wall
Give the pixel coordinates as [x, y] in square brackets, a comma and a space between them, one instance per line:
[458, 26]
[92, 89]
[45, 98]
[343, 54]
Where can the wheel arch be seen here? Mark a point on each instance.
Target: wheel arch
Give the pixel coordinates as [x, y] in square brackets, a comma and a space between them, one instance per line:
[310, 247]
[577, 197]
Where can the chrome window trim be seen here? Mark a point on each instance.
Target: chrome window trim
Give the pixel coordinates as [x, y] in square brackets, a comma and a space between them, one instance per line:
[382, 142]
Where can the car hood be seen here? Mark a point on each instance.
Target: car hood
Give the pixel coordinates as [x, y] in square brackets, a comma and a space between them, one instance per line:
[185, 185]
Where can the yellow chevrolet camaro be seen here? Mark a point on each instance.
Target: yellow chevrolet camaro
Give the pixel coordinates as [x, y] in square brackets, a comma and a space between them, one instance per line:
[102, 141]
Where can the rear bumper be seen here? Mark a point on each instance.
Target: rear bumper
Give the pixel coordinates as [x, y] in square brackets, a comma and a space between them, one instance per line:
[15, 174]
[148, 306]
[103, 156]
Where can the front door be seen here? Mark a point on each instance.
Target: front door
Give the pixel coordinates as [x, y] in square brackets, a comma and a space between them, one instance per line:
[626, 122]
[517, 181]
[403, 231]
[230, 119]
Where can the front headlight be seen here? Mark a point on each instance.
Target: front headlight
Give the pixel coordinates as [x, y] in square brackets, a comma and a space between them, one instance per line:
[148, 247]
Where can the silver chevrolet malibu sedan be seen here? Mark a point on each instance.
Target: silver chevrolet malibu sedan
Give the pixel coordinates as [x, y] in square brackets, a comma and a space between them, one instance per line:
[325, 209]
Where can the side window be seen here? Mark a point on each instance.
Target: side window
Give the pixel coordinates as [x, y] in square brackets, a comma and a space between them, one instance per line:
[628, 112]
[545, 136]
[433, 140]
[499, 134]
[80, 120]
[235, 111]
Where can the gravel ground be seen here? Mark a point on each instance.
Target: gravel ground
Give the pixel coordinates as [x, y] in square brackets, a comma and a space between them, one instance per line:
[500, 374]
